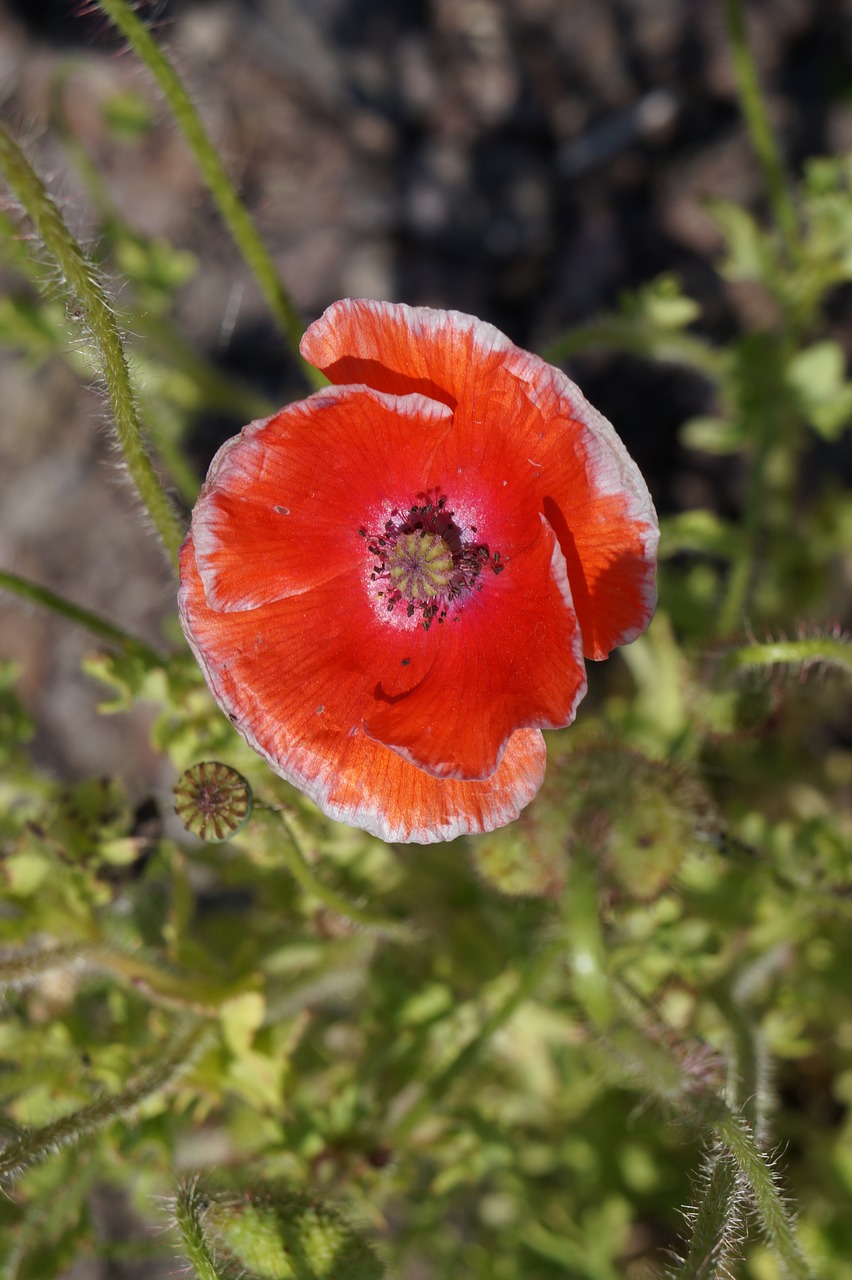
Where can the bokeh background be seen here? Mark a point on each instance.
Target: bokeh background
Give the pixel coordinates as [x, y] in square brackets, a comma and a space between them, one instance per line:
[524, 160]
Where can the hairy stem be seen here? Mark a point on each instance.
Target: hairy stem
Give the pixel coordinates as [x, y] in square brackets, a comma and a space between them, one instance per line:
[647, 1064]
[714, 1225]
[80, 277]
[748, 1084]
[825, 651]
[723, 1193]
[239, 223]
[93, 622]
[162, 986]
[34, 1145]
[189, 1212]
[772, 1214]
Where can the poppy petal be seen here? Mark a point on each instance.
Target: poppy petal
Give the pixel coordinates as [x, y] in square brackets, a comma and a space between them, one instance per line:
[594, 495]
[396, 348]
[278, 514]
[293, 684]
[589, 488]
[511, 658]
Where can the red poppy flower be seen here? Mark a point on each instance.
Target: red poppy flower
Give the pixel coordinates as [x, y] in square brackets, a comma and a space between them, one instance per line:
[391, 585]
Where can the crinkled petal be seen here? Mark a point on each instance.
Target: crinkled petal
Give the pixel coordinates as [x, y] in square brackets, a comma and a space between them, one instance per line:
[510, 658]
[297, 678]
[283, 502]
[593, 494]
[587, 485]
[397, 348]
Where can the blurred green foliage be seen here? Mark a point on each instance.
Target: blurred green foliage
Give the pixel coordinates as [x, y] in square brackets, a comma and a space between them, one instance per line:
[539, 1046]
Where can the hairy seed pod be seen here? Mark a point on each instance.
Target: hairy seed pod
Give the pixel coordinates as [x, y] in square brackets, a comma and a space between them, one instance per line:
[288, 1236]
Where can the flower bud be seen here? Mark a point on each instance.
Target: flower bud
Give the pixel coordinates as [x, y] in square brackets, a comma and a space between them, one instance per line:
[287, 1236]
[637, 815]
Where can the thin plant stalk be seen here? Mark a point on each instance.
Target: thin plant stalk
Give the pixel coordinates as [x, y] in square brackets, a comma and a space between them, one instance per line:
[654, 1070]
[92, 622]
[718, 1219]
[715, 1224]
[825, 651]
[295, 854]
[772, 1213]
[81, 279]
[189, 1212]
[236, 216]
[770, 428]
[35, 1145]
[642, 1062]
[19, 967]
[760, 131]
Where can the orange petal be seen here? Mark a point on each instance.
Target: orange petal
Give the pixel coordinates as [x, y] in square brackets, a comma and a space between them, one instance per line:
[510, 658]
[297, 677]
[592, 492]
[400, 349]
[586, 484]
[283, 503]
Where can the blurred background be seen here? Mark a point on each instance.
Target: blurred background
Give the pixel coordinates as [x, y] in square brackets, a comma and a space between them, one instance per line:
[523, 160]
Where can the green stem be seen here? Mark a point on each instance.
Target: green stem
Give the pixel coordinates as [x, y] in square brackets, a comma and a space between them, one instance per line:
[303, 873]
[439, 1085]
[742, 571]
[36, 1144]
[650, 1066]
[81, 279]
[34, 594]
[585, 944]
[762, 139]
[714, 1227]
[24, 965]
[189, 1211]
[772, 1214]
[251, 246]
[749, 1074]
[163, 987]
[827, 651]
[719, 1216]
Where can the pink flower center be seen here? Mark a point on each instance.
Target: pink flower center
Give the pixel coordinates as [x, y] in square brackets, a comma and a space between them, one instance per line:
[425, 562]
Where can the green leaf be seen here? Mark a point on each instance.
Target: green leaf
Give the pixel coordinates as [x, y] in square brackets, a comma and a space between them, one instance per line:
[698, 531]
[749, 250]
[662, 303]
[817, 378]
[241, 1016]
[712, 435]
